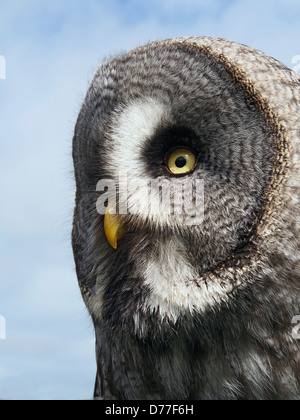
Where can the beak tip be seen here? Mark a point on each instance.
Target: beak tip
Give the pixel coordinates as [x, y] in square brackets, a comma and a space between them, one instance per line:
[111, 239]
[113, 229]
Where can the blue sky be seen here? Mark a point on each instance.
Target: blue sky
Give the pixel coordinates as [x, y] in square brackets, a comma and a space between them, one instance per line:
[52, 49]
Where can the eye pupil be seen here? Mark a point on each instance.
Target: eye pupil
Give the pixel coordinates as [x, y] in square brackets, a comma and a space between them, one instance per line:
[180, 162]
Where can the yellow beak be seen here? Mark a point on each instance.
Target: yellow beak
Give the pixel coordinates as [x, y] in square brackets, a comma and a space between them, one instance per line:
[114, 228]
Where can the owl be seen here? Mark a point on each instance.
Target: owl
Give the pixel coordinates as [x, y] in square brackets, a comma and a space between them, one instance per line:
[186, 231]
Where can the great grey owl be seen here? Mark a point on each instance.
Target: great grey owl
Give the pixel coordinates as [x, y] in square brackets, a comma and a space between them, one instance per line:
[191, 306]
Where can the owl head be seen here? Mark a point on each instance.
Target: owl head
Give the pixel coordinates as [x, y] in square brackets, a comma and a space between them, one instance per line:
[186, 156]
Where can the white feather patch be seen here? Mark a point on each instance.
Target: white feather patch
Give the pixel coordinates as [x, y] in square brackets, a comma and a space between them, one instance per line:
[133, 126]
[176, 288]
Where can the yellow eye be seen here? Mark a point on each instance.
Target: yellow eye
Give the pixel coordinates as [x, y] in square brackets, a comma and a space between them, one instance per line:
[181, 161]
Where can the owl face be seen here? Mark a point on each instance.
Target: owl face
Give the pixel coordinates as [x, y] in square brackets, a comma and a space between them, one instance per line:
[186, 224]
[187, 145]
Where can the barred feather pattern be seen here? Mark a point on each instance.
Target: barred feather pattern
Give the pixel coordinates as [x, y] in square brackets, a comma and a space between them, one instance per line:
[203, 311]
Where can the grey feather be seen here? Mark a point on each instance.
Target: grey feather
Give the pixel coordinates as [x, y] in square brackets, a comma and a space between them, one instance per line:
[204, 311]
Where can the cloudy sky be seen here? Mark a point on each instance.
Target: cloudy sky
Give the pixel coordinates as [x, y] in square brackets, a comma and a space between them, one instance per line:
[52, 49]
